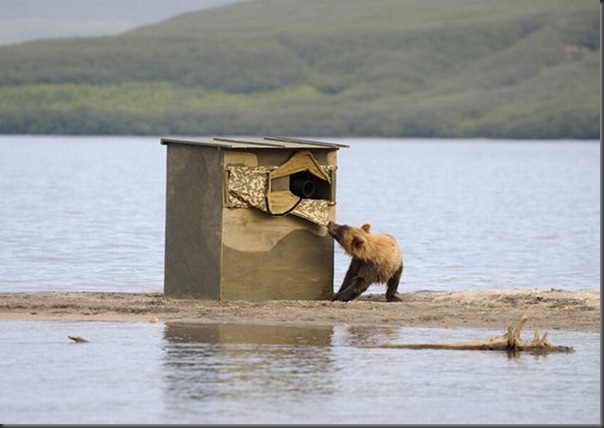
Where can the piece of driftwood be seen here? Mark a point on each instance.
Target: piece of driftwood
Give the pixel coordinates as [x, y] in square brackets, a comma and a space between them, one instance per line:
[510, 342]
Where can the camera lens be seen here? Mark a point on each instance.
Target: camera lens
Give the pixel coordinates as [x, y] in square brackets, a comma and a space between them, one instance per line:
[302, 186]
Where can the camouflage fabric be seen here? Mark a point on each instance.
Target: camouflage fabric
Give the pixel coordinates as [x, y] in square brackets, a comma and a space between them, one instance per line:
[247, 186]
[327, 170]
[298, 162]
[314, 210]
[250, 187]
[283, 202]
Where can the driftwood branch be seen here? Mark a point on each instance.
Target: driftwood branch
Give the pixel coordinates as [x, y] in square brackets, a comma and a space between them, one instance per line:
[509, 341]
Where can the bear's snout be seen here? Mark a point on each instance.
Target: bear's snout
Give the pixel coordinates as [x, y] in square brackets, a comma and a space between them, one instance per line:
[336, 231]
[332, 229]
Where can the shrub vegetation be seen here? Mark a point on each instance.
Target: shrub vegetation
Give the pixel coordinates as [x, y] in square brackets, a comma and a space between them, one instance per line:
[388, 68]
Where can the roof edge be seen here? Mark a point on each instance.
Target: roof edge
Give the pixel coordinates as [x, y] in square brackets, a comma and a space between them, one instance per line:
[252, 142]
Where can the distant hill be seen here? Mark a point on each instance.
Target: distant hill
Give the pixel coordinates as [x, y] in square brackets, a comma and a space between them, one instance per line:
[391, 68]
[26, 20]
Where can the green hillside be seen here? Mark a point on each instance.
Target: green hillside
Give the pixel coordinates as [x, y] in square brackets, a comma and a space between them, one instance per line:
[391, 68]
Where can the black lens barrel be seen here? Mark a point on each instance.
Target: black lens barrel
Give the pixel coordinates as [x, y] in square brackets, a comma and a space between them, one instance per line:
[302, 185]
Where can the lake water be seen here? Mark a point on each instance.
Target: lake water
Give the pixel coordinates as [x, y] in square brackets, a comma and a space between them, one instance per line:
[213, 374]
[87, 214]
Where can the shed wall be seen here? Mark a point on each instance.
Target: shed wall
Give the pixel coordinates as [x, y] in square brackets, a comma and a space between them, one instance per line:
[266, 258]
[193, 221]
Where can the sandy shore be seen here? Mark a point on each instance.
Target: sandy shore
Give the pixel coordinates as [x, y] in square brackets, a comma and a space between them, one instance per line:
[550, 309]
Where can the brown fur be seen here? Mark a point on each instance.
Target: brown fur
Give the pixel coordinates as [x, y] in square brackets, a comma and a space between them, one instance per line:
[376, 258]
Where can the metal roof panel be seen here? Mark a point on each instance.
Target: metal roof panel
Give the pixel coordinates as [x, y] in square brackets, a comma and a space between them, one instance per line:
[252, 142]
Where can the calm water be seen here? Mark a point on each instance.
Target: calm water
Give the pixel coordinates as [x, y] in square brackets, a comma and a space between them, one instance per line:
[87, 214]
[210, 374]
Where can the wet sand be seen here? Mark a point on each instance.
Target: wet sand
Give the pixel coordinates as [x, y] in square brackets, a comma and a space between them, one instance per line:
[550, 309]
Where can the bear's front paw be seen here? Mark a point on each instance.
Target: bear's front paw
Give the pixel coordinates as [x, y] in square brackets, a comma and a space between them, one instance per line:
[339, 298]
[393, 298]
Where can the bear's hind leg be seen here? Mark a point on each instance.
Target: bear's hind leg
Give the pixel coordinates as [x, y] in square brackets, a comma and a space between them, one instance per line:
[393, 286]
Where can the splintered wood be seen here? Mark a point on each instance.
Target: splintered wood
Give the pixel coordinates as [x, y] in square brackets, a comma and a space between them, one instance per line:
[509, 341]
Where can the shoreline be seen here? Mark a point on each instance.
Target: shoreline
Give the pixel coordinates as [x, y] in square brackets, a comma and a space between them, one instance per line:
[550, 309]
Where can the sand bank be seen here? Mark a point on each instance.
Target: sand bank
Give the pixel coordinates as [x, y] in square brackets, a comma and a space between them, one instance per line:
[550, 309]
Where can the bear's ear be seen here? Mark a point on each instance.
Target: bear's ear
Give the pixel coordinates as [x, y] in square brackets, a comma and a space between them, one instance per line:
[366, 227]
[358, 242]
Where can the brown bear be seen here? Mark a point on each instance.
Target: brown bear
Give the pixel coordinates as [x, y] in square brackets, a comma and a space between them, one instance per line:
[376, 258]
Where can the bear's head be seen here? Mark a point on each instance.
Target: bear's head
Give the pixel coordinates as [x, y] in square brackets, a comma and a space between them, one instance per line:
[351, 238]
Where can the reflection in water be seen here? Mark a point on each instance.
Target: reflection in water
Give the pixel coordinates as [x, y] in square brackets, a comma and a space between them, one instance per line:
[235, 369]
[248, 334]
[148, 373]
[360, 335]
